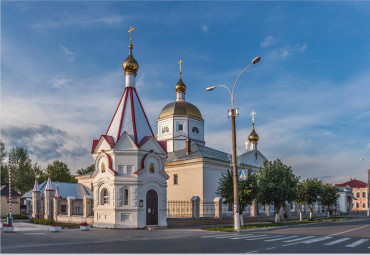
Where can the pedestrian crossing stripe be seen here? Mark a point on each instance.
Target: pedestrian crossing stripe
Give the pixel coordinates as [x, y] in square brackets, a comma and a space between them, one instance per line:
[274, 237]
[278, 239]
[337, 241]
[357, 243]
[298, 239]
[317, 239]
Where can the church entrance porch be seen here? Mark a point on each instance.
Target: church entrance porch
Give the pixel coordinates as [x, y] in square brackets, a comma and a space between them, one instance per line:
[151, 208]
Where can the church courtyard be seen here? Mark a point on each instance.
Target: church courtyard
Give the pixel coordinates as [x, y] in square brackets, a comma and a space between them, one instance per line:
[348, 236]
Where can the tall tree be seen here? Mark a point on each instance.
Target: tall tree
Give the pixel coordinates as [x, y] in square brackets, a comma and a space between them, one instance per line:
[59, 171]
[277, 185]
[329, 197]
[23, 176]
[88, 169]
[3, 164]
[248, 190]
[312, 191]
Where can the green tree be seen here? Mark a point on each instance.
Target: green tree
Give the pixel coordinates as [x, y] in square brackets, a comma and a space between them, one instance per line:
[59, 171]
[40, 174]
[248, 190]
[329, 197]
[277, 185]
[3, 164]
[23, 176]
[311, 191]
[88, 169]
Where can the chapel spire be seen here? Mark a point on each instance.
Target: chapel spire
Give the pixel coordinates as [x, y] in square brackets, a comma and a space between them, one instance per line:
[180, 87]
[253, 136]
[130, 65]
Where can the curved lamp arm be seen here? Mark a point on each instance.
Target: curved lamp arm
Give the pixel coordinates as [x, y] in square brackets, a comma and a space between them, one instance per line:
[231, 94]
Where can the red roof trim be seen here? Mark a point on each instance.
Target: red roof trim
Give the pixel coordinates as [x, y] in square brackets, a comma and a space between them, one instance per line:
[115, 111]
[163, 144]
[353, 184]
[143, 160]
[123, 113]
[110, 163]
[109, 140]
[95, 143]
[133, 115]
[144, 140]
[143, 111]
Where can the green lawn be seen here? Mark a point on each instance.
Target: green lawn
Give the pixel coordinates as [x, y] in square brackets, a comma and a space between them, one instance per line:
[271, 225]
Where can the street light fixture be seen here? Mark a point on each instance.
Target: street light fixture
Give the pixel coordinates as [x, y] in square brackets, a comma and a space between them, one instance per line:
[234, 113]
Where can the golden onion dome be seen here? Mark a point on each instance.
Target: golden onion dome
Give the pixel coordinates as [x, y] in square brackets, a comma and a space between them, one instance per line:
[180, 86]
[253, 137]
[130, 65]
[180, 108]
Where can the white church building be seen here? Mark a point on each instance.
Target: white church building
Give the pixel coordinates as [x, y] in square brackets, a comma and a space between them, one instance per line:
[137, 173]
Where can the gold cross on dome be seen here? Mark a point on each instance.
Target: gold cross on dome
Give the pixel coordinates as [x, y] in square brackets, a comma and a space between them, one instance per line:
[130, 31]
[180, 64]
[252, 114]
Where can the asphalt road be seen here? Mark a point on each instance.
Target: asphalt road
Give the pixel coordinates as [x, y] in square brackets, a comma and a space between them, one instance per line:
[350, 236]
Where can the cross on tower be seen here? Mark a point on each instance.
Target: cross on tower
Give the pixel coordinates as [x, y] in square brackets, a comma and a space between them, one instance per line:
[130, 31]
[180, 66]
[252, 114]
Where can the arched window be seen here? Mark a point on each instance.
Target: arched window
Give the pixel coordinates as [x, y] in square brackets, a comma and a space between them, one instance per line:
[358, 194]
[357, 205]
[165, 129]
[195, 130]
[363, 194]
[103, 167]
[105, 197]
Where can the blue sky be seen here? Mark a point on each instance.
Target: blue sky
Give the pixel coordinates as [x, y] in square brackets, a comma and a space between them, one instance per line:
[61, 75]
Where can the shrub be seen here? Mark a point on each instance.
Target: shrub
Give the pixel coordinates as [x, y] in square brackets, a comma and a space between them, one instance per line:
[21, 216]
[84, 224]
[42, 221]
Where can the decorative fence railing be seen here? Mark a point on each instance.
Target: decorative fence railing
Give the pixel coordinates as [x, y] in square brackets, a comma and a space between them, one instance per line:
[179, 209]
[207, 209]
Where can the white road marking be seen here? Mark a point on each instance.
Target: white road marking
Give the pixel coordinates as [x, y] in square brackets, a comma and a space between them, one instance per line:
[33, 234]
[219, 235]
[317, 239]
[274, 248]
[277, 239]
[338, 241]
[252, 251]
[349, 230]
[227, 236]
[258, 238]
[243, 236]
[299, 239]
[357, 243]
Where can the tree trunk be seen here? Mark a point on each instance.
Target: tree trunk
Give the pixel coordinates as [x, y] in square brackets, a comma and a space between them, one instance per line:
[310, 211]
[300, 212]
[241, 219]
[277, 214]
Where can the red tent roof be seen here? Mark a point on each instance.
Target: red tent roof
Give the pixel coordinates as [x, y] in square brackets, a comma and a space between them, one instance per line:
[353, 184]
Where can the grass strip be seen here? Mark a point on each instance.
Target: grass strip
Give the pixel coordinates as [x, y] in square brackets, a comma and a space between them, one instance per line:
[272, 224]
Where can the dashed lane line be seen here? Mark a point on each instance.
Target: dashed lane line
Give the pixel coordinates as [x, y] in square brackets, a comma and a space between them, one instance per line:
[317, 239]
[337, 241]
[298, 239]
[349, 230]
[357, 243]
[278, 239]
[219, 235]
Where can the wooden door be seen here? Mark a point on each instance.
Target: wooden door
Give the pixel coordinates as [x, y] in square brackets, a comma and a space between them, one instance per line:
[151, 208]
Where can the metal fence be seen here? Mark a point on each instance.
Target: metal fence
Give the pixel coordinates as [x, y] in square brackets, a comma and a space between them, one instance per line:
[207, 209]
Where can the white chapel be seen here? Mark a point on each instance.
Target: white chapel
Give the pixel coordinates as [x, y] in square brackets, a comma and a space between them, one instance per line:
[129, 181]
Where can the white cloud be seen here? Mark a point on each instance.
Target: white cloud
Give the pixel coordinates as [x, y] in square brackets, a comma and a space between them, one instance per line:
[70, 55]
[268, 41]
[205, 28]
[289, 50]
[58, 83]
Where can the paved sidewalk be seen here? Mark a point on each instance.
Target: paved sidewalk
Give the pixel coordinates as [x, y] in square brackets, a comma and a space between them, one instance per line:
[24, 226]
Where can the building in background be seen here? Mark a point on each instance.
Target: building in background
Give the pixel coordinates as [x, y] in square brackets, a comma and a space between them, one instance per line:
[16, 201]
[360, 194]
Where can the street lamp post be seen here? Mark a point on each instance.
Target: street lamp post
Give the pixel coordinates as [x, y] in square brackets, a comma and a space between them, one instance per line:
[233, 113]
